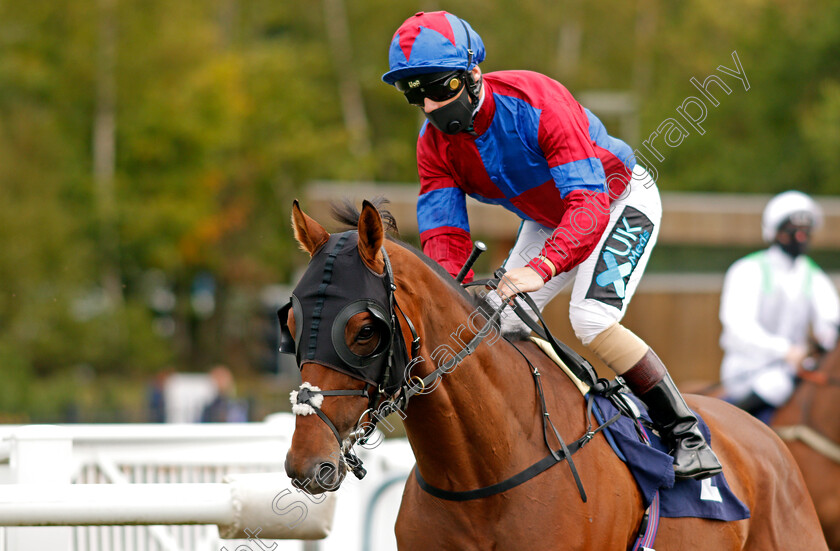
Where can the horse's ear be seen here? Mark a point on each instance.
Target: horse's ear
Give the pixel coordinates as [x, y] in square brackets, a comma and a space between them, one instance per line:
[371, 237]
[309, 234]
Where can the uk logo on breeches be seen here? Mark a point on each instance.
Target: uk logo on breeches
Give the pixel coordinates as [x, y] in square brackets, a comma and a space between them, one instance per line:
[619, 257]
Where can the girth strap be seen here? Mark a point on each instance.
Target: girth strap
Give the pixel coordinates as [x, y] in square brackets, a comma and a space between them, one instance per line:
[547, 422]
[540, 466]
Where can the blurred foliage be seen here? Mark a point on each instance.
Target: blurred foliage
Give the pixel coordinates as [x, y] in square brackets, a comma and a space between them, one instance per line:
[224, 109]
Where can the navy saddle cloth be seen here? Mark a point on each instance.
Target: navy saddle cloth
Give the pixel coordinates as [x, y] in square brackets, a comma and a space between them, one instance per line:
[652, 467]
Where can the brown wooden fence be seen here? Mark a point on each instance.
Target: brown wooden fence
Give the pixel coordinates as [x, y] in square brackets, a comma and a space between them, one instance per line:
[676, 315]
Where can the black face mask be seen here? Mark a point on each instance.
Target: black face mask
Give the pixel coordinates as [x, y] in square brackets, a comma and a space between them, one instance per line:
[336, 286]
[793, 239]
[453, 117]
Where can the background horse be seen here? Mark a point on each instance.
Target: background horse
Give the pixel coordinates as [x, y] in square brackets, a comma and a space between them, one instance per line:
[810, 424]
[482, 422]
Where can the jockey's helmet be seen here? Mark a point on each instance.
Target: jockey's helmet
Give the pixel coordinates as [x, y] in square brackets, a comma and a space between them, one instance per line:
[433, 42]
[790, 207]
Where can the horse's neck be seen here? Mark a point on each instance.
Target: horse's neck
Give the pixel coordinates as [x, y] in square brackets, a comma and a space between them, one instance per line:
[480, 418]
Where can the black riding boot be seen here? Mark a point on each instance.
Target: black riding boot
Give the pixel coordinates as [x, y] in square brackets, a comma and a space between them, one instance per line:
[677, 424]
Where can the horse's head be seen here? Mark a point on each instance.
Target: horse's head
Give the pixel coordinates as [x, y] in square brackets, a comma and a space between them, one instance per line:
[347, 339]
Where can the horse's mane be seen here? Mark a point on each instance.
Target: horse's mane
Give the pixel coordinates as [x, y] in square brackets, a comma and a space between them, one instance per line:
[347, 214]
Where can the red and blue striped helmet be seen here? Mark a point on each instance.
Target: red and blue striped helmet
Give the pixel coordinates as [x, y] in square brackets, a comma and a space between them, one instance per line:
[431, 43]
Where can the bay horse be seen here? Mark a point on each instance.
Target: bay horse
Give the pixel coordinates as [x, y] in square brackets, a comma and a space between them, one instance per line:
[483, 422]
[810, 424]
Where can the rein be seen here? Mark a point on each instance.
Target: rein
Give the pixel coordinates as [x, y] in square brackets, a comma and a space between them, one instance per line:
[818, 378]
[807, 375]
[581, 368]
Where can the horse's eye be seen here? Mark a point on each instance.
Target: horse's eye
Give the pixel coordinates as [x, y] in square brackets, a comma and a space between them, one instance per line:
[365, 333]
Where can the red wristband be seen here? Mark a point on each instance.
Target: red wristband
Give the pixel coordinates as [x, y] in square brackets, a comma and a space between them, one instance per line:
[544, 270]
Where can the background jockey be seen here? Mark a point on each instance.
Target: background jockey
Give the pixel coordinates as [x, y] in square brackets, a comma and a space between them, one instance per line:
[771, 300]
[590, 214]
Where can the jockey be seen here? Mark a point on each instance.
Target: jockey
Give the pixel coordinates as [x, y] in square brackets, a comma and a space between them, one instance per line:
[770, 301]
[590, 214]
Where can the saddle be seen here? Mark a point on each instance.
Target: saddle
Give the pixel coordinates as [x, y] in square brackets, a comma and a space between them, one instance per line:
[635, 442]
[549, 351]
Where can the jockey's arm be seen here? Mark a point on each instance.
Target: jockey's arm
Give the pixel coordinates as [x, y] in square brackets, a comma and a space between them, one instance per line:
[585, 217]
[449, 247]
[442, 217]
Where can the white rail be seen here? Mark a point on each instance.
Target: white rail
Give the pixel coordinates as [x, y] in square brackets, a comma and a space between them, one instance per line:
[170, 487]
[111, 504]
[139, 477]
[238, 506]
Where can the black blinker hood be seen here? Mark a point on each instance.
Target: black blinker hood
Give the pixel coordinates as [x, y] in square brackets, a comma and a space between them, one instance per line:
[337, 285]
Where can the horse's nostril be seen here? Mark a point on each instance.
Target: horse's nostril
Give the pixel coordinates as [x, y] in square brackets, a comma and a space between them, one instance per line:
[291, 472]
[326, 475]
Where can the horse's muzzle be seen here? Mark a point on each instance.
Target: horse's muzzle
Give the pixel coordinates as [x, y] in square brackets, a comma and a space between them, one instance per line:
[316, 478]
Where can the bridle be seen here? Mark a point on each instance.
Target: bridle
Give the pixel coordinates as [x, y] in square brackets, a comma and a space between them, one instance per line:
[390, 389]
[383, 371]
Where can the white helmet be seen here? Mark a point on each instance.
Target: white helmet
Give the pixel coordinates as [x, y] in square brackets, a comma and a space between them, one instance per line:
[783, 206]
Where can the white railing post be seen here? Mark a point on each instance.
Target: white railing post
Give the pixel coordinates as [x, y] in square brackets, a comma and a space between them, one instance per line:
[41, 456]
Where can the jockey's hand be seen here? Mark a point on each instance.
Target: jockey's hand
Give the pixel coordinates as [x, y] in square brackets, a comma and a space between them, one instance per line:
[519, 280]
[795, 355]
